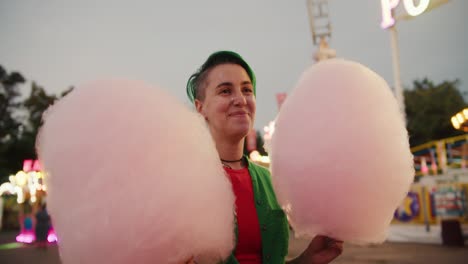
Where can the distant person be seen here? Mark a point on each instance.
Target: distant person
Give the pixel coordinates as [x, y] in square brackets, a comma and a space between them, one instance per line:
[28, 224]
[42, 227]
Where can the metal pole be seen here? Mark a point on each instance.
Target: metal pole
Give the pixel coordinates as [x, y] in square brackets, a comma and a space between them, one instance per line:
[424, 194]
[396, 70]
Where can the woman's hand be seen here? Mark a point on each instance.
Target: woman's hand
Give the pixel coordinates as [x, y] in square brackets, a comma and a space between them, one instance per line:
[190, 261]
[321, 250]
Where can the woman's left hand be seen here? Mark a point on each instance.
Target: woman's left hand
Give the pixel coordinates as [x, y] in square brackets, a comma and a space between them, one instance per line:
[322, 250]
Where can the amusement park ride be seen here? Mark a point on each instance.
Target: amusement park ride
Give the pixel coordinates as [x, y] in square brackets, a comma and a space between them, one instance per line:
[320, 28]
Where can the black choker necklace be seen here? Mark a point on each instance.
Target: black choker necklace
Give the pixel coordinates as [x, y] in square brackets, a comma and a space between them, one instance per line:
[232, 161]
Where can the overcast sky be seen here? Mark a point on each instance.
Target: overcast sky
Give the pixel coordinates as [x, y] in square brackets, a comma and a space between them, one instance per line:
[63, 43]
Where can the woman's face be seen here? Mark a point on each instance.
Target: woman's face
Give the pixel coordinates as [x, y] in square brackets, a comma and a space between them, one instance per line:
[229, 102]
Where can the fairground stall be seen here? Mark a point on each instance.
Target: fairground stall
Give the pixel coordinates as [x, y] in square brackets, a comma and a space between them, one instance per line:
[28, 187]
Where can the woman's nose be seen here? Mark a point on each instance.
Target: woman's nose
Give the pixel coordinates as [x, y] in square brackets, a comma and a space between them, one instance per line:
[239, 99]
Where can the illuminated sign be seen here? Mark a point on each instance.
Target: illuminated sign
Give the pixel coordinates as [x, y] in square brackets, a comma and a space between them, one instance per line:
[31, 165]
[409, 209]
[410, 7]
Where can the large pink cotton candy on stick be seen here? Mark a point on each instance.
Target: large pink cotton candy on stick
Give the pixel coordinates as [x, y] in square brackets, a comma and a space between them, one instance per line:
[341, 162]
[134, 177]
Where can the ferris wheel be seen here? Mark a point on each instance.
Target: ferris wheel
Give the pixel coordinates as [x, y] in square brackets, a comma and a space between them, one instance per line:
[320, 28]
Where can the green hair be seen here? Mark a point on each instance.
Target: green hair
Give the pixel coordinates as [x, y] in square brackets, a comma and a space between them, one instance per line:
[215, 59]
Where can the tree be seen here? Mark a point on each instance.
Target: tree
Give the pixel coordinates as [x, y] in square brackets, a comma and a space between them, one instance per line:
[24, 146]
[429, 108]
[37, 102]
[9, 94]
[18, 137]
[9, 125]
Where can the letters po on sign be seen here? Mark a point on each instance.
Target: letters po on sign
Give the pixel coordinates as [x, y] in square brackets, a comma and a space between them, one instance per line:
[411, 8]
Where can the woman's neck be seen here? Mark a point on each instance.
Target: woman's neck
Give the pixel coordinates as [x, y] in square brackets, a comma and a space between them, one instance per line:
[231, 151]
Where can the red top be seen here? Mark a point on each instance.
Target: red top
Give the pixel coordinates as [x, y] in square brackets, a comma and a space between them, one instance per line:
[249, 241]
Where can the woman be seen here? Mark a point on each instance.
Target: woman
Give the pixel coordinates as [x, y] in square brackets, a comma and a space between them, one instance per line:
[223, 91]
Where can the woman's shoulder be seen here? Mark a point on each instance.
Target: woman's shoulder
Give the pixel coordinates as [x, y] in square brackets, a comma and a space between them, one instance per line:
[258, 168]
[261, 176]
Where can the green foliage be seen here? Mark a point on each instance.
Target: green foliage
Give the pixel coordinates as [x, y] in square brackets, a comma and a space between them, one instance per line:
[429, 108]
[18, 137]
[9, 126]
[9, 94]
[37, 102]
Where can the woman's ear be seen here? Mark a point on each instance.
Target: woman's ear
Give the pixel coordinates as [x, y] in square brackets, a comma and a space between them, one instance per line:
[199, 106]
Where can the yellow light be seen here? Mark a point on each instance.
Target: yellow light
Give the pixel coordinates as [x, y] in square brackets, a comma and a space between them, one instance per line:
[465, 113]
[19, 193]
[255, 155]
[21, 178]
[414, 10]
[460, 118]
[265, 159]
[7, 187]
[455, 123]
[33, 199]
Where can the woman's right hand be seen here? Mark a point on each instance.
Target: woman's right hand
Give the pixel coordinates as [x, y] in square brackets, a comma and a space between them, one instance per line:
[323, 250]
[190, 261]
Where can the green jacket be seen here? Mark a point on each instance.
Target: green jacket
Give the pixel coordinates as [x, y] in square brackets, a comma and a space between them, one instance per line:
[273, 222]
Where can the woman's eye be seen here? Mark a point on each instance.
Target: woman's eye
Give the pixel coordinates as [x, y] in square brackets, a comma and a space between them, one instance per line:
[248, 90]
[225, 91]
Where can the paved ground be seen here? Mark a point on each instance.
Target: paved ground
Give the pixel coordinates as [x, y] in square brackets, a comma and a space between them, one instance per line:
[17, 253]
[398, 253]
[403, 253]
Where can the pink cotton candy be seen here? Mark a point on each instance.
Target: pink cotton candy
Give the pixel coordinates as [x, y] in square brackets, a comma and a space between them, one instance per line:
[341, 162]
[134, 177]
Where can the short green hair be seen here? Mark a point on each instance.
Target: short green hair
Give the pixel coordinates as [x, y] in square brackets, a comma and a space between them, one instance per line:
[215, 59]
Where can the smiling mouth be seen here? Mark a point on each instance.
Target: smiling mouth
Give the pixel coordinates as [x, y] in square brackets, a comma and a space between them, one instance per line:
[239, 114]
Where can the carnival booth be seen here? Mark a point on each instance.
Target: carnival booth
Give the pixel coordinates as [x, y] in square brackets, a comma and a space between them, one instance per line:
[435, 209]
[30, 191]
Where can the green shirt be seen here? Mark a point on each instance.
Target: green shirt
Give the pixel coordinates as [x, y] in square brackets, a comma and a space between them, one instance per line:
[274, 225]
